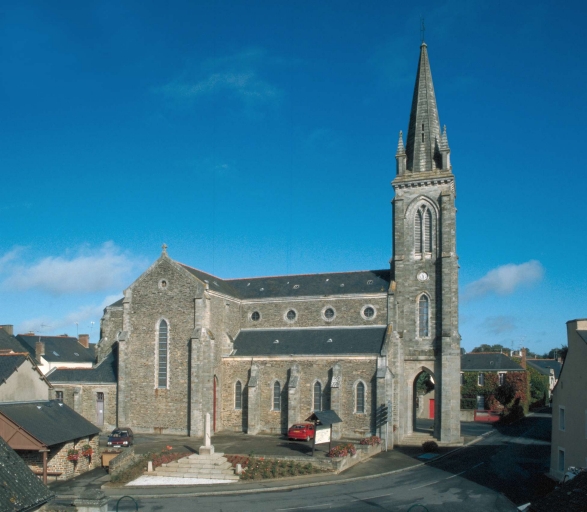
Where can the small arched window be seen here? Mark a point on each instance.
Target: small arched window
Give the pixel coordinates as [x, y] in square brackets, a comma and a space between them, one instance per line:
[276, 396]
[360, 398]
[423, 316]
[423, 231]
[317, 396]
[162, 354]
[238, 395]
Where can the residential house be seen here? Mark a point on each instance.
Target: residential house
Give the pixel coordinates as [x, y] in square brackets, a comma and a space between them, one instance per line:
[569, 405]
[91, 392]
[550, 368]
[58, 351]
[482, 373]
[20, 379]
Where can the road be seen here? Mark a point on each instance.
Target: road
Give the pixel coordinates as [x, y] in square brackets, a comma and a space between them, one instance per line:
[502, 471]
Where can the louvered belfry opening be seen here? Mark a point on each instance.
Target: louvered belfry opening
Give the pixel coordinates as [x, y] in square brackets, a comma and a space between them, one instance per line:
[423, 231]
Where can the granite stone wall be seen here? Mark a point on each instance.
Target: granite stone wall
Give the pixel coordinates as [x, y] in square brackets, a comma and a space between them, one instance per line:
[310, 312]
[82, 398]
[353, 370]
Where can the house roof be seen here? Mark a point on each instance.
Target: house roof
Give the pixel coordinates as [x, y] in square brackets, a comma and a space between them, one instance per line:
[488, 361]
[308, 341]
[9, 363]
[9, 342]
[20, 488]
[570, 497]
[545, 365]
[49, 421]
[104, 373]
[64, 349]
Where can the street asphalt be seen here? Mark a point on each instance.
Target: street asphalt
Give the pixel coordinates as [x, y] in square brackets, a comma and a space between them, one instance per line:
[396, 460]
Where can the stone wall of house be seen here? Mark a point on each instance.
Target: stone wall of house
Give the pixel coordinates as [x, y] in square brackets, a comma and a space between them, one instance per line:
[58, 465]
[311, 370]
[310, 312]
[82, 398]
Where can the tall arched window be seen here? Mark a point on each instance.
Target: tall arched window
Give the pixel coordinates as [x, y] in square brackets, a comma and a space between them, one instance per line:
[162, 354]
[238, 395]
[360, 398]
[276, 396]
[423, 316]
[423, 230]
[317, 396]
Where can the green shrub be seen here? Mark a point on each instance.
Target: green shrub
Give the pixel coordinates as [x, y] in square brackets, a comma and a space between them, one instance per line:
[430, 447]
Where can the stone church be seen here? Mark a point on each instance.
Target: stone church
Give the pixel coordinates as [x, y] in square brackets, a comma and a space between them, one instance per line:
[260, 354]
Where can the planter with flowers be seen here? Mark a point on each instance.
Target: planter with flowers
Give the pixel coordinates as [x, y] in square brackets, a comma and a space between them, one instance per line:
[73, 454]
[342, 450]
[87, 450]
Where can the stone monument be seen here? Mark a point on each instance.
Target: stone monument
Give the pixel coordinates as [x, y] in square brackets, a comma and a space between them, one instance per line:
[208, 448]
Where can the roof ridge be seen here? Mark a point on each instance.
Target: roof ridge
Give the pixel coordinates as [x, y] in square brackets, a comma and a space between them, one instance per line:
[308, 274]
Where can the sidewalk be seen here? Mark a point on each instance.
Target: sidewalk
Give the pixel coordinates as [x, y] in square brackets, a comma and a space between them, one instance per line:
[399, 459]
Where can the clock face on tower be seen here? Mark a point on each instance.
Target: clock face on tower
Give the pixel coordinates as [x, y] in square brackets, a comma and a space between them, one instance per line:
[422, 276]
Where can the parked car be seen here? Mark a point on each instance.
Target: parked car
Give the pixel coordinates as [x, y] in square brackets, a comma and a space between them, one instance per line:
[120, 437]
[303, 431]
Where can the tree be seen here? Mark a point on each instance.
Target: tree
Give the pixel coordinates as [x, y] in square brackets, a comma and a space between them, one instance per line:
[492, 348]
[555, 353]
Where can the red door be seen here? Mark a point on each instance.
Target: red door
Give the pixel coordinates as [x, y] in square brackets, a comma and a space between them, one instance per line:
[431, 408]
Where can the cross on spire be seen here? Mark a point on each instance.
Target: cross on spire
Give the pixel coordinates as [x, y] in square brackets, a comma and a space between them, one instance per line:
[422, 28]
[164, 247]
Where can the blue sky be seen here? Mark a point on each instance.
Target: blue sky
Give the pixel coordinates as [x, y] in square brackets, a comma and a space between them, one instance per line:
[258, 138]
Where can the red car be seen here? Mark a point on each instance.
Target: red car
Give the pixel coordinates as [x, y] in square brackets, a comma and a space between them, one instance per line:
[303, 431]
[121, 437]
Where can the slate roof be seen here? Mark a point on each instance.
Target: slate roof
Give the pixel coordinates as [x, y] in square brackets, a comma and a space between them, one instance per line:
[49, 421]
[488, 361]
[301, 285]
[8, 365]
[304, 341]
[544, 366]
[104, 373]
[65, 349]
[20, 488]
[9, 342]
[338, 283]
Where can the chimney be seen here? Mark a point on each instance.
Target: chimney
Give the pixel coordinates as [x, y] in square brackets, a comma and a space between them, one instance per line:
[84, 339]
[8, 328]
[39, 350]
[523, 358]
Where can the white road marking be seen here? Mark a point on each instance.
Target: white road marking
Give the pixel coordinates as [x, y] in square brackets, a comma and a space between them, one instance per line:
[301, 508]
[329, 504]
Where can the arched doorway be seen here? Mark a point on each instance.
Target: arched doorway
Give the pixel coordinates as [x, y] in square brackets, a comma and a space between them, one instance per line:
[424, 402]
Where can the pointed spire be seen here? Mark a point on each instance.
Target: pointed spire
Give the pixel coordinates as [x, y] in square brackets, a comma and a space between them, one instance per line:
[400, 156]
[424, 129]
[400, 145]
[444, 140]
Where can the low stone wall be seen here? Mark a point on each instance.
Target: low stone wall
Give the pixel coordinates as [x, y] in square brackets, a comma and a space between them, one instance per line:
[467, 415]
[123, 461]
[336, 464]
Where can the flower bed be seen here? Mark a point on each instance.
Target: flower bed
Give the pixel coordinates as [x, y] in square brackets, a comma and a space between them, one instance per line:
[371, 441]
[260, 469]
[166, 457]
[342, 450]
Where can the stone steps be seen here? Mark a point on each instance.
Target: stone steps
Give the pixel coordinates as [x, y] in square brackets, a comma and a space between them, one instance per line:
[416, 439]
[213, 466]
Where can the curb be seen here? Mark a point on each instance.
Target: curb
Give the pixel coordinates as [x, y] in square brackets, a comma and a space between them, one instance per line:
[277, 488]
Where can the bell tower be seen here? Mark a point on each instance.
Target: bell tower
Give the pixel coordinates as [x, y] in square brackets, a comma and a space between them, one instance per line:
[424, 267]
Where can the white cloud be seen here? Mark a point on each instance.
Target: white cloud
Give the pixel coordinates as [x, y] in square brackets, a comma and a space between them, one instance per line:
[88, 271]
[235, 75]
[499, 324]
[505, 280]
[9, 257]
[67, 324]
